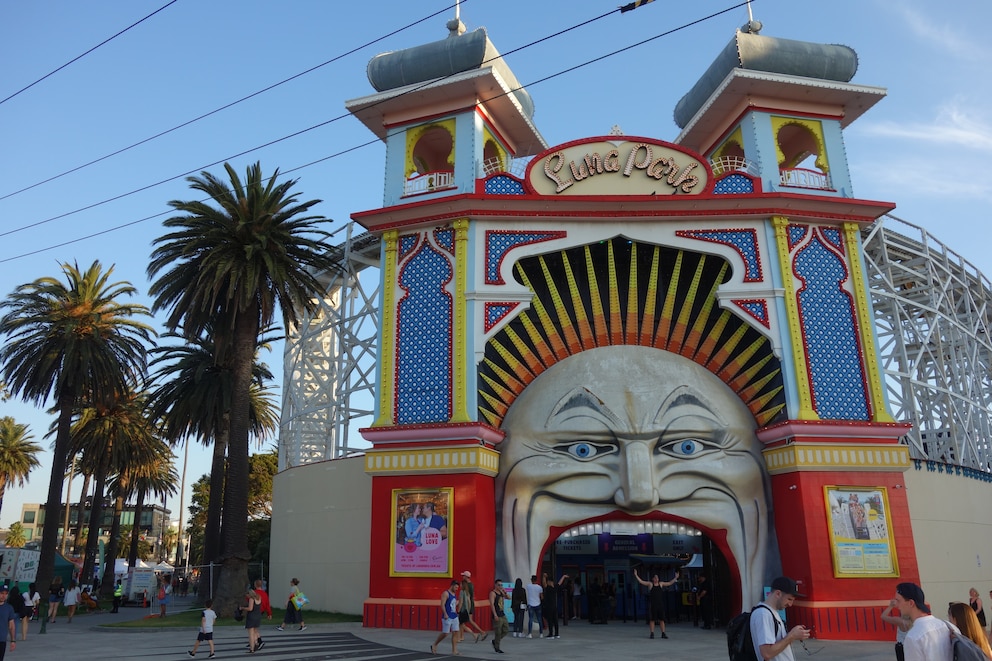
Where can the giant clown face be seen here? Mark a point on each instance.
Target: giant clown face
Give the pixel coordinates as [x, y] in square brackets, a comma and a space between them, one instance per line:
[635, 431]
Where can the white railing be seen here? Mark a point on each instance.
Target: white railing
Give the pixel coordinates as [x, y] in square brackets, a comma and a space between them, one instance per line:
[727, 164]
[428, 182]
[803, 178]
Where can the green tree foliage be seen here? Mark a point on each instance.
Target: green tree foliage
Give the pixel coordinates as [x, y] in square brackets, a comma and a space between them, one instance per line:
[18, 455]
[15, 536]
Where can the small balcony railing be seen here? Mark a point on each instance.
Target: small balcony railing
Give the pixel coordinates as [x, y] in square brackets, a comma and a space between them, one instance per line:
[429, 182]
[728, 164]
[803, 178]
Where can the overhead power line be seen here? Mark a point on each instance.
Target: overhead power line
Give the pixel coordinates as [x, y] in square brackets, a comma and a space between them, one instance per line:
[79, 57]
[224, 107]
[355, 147]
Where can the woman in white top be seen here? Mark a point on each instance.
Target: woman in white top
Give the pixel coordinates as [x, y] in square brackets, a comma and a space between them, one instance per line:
[71, 599]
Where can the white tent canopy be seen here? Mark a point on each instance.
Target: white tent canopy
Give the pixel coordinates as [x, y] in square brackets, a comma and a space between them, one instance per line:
[164, 567]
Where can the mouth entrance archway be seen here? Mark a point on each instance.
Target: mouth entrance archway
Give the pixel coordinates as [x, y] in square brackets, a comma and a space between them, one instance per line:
[600, 558]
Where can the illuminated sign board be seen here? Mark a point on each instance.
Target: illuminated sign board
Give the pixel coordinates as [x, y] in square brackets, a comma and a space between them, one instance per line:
[631, 166]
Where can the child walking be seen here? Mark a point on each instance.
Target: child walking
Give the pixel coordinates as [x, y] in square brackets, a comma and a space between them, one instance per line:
[206, 629]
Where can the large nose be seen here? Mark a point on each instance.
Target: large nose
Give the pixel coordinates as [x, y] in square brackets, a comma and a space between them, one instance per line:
[637, 489]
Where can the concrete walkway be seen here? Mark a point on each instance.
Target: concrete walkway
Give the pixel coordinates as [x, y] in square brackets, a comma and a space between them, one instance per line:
[86, 640]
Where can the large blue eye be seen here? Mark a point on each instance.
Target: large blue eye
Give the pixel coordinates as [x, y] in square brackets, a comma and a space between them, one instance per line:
[584, 450]
[686, 447]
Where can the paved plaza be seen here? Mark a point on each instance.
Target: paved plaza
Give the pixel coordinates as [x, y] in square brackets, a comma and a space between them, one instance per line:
[86, 640]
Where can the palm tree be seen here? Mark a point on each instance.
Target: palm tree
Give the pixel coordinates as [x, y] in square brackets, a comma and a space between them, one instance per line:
[151, 472]
[18, 455]
[15, 536]
[64, 341]
[194, 399]
[235, 263]
[110, 437]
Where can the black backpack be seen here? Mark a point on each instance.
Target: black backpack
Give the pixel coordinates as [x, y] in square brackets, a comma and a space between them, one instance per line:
[740, 645]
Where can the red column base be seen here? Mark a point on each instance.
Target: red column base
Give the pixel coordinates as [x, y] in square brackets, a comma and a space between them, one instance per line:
[843, 622]
[414, 614]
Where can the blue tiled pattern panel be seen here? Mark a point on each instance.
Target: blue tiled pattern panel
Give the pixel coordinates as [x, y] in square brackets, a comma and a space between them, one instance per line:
[829, 329]
[423, 347]
[446, 239]
[496, 311]
[503, 185]
[407, 244]
[745, 241]
[734, 184]
[499, 242]
[757, 308]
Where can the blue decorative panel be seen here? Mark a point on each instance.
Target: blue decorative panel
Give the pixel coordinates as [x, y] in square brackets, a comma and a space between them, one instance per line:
[827, 315]
[833, 237]
[734, 184]
[445, 239]
[745, 241]
[423, 346]
[503, 185]
[498, 243]
[756, 307]
[796, 234]
[407, 244]
[495, 312]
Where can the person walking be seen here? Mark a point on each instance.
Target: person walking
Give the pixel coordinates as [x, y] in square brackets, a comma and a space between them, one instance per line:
[549, 606]
[976, 605]
[71, 599]
[21, 608]
[265, 608]
[902, 623]
[33, 600]
[55, 593]
[118, 596]
[656, 601]
[577, 599]
[253, 618]
[294, 608]
[501, 627]
[473, 626]
[7, 619]
[768, 633]
[449, 618]
[535, 595]
[927, 639]
[963, 616]
[518, 604]
[206, 632]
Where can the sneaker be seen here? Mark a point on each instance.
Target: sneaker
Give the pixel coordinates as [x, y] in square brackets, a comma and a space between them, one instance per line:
[540, 635]
[191, 652]
[530, 635]
[664, 635]
[261, 644]
[495, 647]
[279, 628]
[211, 655]
[303, 628]
[557, 636]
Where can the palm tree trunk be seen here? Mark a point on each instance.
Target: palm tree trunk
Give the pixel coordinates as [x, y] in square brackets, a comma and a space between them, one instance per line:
[53, 507]
[79, 516]
[110, 558]
[215, 505]
[132, 555]
[235, 555]
[96, 516]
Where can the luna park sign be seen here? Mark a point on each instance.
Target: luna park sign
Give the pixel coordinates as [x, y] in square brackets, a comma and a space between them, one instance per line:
[601, 166]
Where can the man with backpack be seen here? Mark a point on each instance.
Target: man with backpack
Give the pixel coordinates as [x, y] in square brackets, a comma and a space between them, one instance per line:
[769, 638]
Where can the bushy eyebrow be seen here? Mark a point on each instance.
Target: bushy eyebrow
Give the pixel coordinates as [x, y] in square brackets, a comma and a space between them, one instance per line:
[582, 399]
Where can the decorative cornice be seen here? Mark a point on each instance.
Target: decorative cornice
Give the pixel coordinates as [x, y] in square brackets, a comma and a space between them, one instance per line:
[838, 431]
[832, 457]
[420, 461]
[433, 433]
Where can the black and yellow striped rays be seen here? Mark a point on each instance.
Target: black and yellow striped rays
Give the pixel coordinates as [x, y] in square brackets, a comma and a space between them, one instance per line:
[620, 292]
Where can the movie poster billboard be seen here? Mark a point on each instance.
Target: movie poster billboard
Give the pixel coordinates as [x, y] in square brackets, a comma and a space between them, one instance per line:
[860, 533]
[422, 521]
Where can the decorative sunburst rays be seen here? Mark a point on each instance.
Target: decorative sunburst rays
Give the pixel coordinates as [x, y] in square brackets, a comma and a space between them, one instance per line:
[621, 292]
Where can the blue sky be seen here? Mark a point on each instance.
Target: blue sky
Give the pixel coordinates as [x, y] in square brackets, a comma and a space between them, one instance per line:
[924, 147]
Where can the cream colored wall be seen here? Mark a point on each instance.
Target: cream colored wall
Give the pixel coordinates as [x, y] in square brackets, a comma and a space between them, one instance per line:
[320, 534]
[952, 529]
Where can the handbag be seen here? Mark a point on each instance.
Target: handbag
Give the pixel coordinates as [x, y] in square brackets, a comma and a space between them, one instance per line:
[239, 615]
[300, 600]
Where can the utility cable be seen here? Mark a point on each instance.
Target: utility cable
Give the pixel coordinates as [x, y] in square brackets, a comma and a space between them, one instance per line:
[79, 57]
[350, 149]
[224, 107]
